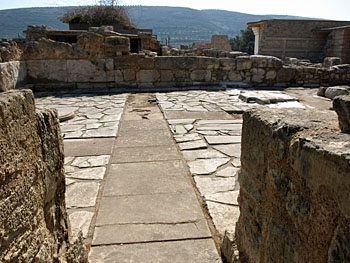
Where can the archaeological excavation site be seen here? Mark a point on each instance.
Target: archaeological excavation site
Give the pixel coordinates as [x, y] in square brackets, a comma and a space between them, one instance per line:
[117, 148]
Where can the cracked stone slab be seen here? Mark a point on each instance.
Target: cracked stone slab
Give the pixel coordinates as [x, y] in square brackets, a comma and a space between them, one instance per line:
[91, 161]
[86, 147]
[199, 250]
[208, 185]
[145, 154]
[222, 139]
[230, 171]
[202, 154]
[80, 221]
[137, 233]
[181, 121]
[187, 137]
[228, 198]
[232, 150]
[206, 166]
[151, 208]
[95, 173]
[198, 144]
[219, 127]
[82, 194]
[224, 216]
[147, 178]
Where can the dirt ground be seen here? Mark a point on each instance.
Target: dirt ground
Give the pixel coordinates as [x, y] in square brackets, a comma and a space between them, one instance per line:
[308, 97]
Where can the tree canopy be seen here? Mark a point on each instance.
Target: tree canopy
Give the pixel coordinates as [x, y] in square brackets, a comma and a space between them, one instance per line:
[244, 42]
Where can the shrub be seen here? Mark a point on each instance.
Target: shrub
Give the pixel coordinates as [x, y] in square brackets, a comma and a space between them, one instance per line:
[98, 16]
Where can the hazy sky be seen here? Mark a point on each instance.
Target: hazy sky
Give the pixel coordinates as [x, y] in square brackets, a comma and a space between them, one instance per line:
[328, 9]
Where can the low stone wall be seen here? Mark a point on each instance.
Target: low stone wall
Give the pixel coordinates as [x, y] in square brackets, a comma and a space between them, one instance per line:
[294, 196]
[140, 71]
[149, 72]
[33, 218]
[12, 74]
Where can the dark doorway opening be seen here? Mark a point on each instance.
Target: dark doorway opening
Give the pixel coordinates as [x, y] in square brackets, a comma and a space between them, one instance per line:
[134, 45]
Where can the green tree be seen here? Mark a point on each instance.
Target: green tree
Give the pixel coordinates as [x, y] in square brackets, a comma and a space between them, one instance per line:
[244, 42]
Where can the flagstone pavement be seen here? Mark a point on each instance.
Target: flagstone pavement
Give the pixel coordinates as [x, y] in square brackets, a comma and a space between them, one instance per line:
[153, 177]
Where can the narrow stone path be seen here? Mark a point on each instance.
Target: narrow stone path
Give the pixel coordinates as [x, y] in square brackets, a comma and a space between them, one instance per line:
[149, 211]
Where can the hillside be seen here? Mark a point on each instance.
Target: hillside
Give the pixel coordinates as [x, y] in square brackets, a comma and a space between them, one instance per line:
[177, 24]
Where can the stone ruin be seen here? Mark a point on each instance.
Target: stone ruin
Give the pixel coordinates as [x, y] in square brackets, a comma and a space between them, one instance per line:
[288, 211]
[34, 224]
[294, 195]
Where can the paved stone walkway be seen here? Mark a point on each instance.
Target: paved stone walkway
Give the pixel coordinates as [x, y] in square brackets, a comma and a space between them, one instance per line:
[135, 161]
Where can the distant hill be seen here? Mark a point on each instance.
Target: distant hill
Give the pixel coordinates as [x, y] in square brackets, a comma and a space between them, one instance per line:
[179, 25]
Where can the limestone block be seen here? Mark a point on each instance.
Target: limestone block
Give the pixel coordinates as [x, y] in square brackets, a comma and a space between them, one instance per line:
[84, 70]
[294, 162]
[129, 75]
[47, 70]
[207, 63]
[12, 74]
[227, 63]
[332, 92]
[116, 44]
[258, 75]
[33, 218]
[126, 62]
[147, 76]
[259, 61]
[201, 75]
[271, 75]
[235, 76]
[182, 63]
[166, 76]
[286, 74]
[331, 61]
[341, 105]
[243, 63]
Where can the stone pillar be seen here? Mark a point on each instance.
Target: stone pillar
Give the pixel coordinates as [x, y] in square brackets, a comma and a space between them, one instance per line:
[256, 31]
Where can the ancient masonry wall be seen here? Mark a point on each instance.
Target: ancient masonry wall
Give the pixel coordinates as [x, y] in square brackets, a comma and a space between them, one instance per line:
[157, 72]
[12, 74]
[294, 196]
[33, 218]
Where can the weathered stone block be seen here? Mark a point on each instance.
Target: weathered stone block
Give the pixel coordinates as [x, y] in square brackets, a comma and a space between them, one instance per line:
[259, 61]
[12, 74]
[33, 219]
[332, 92]
[243, 63]
[201, 75]
[294, 187]
[84, 70]
[181, 63]
[258, 75]
[47, 70]
[147, 76]
[286, 74]
[341, 105]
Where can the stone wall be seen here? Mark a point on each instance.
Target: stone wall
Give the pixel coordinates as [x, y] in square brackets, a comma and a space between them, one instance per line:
[12, 75]
[33, 218]
[157, 72]
[294, 38]
[294, 196]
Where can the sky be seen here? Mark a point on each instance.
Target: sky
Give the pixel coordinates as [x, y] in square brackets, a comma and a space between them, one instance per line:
[326, 9]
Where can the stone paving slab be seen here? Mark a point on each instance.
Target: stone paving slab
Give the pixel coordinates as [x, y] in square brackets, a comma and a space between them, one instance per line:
[189, 251]
[142, 125]
[215, 115]
[146, 178]
[144, 138]
[170, 208]
[138, 233]
[86, 147]
[125, 154]
[146, 200]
